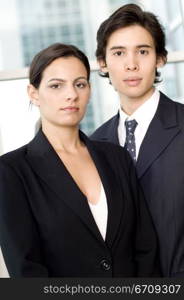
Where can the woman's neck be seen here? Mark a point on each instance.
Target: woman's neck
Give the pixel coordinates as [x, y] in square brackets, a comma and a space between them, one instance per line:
[62, 138]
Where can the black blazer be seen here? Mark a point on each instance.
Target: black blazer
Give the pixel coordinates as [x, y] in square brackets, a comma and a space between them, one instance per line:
[160, 169]
[46, 226]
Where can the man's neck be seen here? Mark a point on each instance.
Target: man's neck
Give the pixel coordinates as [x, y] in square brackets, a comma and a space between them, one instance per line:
[130, 105]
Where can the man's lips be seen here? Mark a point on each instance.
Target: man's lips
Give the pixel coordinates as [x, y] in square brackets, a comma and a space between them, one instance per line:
[133, 81]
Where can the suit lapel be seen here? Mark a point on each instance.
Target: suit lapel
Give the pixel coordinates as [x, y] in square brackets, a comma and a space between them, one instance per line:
[161, 132]
[48, 166]
[111, 134]
[112, 191]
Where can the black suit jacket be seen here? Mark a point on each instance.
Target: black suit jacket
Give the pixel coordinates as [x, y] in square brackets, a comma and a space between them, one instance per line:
[160, 169]
[46, 226]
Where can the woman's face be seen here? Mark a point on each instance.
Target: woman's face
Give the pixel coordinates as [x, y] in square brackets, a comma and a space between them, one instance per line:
[63, 93]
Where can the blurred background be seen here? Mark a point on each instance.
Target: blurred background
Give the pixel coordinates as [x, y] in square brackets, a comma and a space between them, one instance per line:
[27, 26]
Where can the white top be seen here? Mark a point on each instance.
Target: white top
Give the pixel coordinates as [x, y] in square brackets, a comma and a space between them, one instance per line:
[100, 212]
[143, 115]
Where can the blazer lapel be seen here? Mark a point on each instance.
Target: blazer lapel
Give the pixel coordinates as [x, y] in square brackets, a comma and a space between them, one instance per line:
[112, 190]
[161, 132]
[48, 166]
[111, 134]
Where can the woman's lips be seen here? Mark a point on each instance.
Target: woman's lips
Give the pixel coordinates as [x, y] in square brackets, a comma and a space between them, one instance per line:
[70, 109]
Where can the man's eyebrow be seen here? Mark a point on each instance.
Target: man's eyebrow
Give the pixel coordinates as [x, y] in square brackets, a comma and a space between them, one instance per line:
[117, 47]
[137, 46]
[144, 46]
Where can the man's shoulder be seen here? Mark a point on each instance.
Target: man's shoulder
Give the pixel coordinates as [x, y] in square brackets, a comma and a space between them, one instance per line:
[105, 128]
[168, 101]
[171, 106]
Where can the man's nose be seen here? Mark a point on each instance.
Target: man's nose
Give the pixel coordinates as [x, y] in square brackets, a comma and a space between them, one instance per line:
[131, 64]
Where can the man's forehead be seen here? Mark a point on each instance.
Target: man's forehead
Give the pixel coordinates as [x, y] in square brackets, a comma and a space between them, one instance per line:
[134, 34]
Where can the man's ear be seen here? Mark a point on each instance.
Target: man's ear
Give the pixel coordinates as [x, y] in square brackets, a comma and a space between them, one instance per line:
[160, 62]
[33, 95]
[103, 66]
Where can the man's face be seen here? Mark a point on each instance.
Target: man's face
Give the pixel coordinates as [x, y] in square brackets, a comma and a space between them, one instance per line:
[131, 62]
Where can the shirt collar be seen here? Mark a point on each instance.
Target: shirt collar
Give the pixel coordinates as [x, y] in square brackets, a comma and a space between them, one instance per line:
[147, 109]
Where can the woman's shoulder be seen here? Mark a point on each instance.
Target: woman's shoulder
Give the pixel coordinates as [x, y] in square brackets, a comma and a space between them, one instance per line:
[13, 157]
[106, 146]
[113, 151]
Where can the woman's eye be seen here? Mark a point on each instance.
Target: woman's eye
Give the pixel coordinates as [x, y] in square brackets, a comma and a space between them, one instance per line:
[55, 86]
[81, 85]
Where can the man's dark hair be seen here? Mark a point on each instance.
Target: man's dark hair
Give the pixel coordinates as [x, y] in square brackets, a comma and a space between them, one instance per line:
[128, 15]
[45, 57]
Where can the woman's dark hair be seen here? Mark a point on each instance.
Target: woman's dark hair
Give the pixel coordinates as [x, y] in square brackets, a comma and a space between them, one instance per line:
[128, 15]
[45, 57]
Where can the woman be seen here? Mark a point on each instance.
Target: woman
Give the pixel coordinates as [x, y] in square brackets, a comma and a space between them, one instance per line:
[70, 207]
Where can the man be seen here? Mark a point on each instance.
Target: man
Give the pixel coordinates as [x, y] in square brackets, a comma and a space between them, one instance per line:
[130, 48]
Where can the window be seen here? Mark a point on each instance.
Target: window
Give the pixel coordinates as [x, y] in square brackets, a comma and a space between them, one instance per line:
[33, 25]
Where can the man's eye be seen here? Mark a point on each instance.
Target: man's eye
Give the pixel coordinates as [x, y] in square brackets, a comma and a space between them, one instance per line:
[118, 53]
[144, 52]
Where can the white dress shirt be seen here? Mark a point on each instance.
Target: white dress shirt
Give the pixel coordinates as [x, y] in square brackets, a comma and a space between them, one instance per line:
[143, 115]
[100, 212]
[3, 269]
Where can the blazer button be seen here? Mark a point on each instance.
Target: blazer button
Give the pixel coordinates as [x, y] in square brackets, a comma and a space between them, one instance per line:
[105, 264]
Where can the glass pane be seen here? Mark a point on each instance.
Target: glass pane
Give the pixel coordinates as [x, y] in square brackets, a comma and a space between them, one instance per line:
[28, 26]
[18, 119]
[172, 85]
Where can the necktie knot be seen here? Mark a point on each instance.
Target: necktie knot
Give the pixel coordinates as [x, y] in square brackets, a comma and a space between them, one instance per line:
[130, 126]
